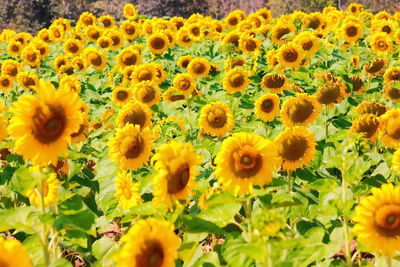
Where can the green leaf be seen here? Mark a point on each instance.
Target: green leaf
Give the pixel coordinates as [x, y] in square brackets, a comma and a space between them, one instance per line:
[233, 253]
[221, 214]
[194, 224]
[323, 185]
[25, 218]
[22, 181]
[101, 246]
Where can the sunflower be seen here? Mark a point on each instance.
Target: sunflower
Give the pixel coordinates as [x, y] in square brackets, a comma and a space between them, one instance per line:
[60, 61]
[371, 107]
[356, 84]
[86, 19]
[314, 21]
[355, 8]
[104, 42]
[83, 130]
[3, 127]
[275, 83]
[392, 91]
[368, 125]
[116, 37]
[392, 74]
[50, 192]
[290, 55]
[178, 22]
[296, 147]
[236, 80]
[245, 160]
[267, 107]
[72, 47]
[107, 21]
[272, 59]
[128, 57]
[121, 95]
[158, 43]
[377, 220]
[71, 84]
[308, 42]
[185, 83]
[147, 93]
[355, 60]
[199, 67]
[184, 61]
[183, 38]
[231, 63]
[144, 72]
[282, 33]
[93, 33]
[10, 67]
[176, 165]
[331, 92]
[381, 43]
[14, 48]
[375, 67]
[131, 147]
[172, 95]
[130, 30]
[42, 125]
[389, 128]
[127, 192]
[96, 59]
[196, 31]
[134, 112]
[231, 38]
[150, 242]
[6, 82]
[130, 11]
[232, 20]
[249, 44]
[351, 30]
[44, 35]
[27, 80]
[13, 253]
[216, 119]
[301, 110]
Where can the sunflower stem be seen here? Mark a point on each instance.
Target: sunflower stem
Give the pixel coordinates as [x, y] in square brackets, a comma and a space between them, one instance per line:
[290, 182]
[269, 254]
[45, 242]
[345, 226]
[188, 111]
[388, 261]
[326, 123]
[247, 209]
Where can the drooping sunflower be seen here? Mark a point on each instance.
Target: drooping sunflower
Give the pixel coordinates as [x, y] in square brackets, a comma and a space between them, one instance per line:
[381, 43]
[42, 124]
[245, 160]
[371, 107]
[392, 91]
[158, 43]
[389, 128]
[134, 112]
[147, 93]
[273, 82]
[216, 119]
[355, 60]
[296, 147]
[331, 92]
[301, 110]
[131, 147]
[198, 67]
[281, 32]
[121, 95]
[27, 80]
[267, 107]
[185, 83]
[375, 67]
[127, 191]
[176, 165]
[13, 253]
[290, 55]
[236, 80]
[49, 190]
[377, 220]
[392, 74]
[150, 242]
[128, 57]
[368, 125]
[356, 84]
[172, 95]
[6, 82]
[184, 61]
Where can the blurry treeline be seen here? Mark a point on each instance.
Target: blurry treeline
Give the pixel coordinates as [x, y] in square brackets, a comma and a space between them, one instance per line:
[32, 15]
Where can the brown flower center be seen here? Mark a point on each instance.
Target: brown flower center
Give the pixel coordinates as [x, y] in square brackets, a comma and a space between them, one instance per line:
[251, 45]
[12, 70]
[314, 23]
[387, 29]
[382, 45]
[237, 80]
[216, 118]
[184, 84]
[136, 116]
[5, 82]
[293, 148]
[178, 180]
[129, 59]
[387, 220]
[48, 127]
[329, 93]
[151, 254]
[145, 75]
[135, 149]
[234, 39]
[307, 45]
[267, 105]
[281, 32]
[233, 21]
[351, 31]
[28, 81]
[122, 95]
[115, 40]
[245, 162]
[375, 66]
[393, 92]
[96, 60]
[274, 81]
[290, 55]
[130, 29]
[356, 82]
[185, 63]
[199, 68]
[157, 43]
[368, 126]
[147, 94]
[300, 111]
[73, 48]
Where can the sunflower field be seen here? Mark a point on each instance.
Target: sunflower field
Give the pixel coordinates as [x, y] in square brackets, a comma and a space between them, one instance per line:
[155, 142]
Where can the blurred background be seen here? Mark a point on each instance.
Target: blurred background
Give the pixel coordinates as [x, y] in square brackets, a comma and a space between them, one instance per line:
[32, 15]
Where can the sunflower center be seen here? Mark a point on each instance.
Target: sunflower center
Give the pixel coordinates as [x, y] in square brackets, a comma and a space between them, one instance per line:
[178, 180]
[267, 105]
[157, 43]
[185, 63]
[129, 29]
[96, 60]
[307, 45]
[234, 39]
[136, 116]
[393, 128]
[300, 111]
[395, 76]
[15, 48]
[356, 83]
[328, 93]
[73, 48]
[237, 80]
[147, 94]
[237, 63]
[387, 220]
[106, 23]
[32, 57]
[293, 148]
[233, 21]
[135, 148]
[314, 23]
[251, 45]
[387, 29]
[48, 127]
[290, 55]
[145, 75]
[382, 45]
[28, 81]
[116, 40]
[217, 118]
[12, 71]
[281, 32]
[184, 84]
[122, 95]
[174, 98]
[5, 82]
[151, 254]
[104, 44]
[129, 59]
[376, 66]
[195, 31]
[199, 68]
[95, 35]
[368, 127]
[351, 31]
[246, 162]
[393, 92]
[275, 81]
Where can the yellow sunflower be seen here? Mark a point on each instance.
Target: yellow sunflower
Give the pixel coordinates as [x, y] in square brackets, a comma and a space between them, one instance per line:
[381, 43]
[375, 67]
[377, 220]
[216, 119]
[158, 43]
[104, 42]
[27, 80]
[392, 74]
[308, 42]
[296, 147]
[95, 58]
[231, 38]
[144, 72]
[128, 57]
[71, 84]
[6, 82]
[301, 110]
[392, 91]
[184, 61]
[134, 112]
[60, 61]
[267, 107]
[351, 30]
[275, 83]
[131, 30]
[183, 38]
[198, 67]
[390, 128]
[147, 93]
[10, 67]
[371, 107]
[127, 192]
[72, 47]
[50, 192]
[31, 56]
[131, 147]
[231, 63]
[13, 253]
[368, 125]
[149, 242]
[236, 80]
[185, 83]
[130, 11]
[14, 48]
[121, 95]
[331, 92]
[290, 55]
[42, 124]
[107, 21]
[245, 160]
[282, 33]
[176, 165]
[249, 44]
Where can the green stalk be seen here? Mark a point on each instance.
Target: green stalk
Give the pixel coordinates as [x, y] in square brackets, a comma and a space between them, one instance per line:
[45, 242]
